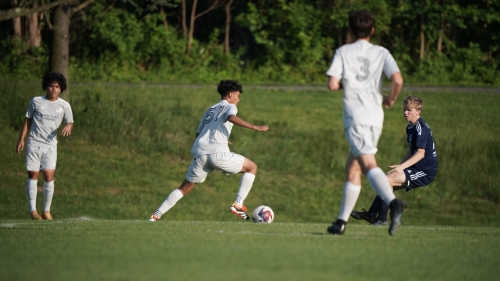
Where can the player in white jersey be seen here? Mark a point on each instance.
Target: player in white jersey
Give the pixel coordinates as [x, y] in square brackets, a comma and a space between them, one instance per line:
[210, 151]
[358, 69]
[43, 118]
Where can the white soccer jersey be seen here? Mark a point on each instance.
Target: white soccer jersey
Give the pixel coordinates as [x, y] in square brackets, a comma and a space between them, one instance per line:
[46, 117]
[214, 130]
[360, 66]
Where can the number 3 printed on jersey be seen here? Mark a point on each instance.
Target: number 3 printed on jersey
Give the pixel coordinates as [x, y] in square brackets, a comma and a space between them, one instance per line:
[364, 68]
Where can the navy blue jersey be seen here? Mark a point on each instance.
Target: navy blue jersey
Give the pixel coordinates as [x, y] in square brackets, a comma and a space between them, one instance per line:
[419, 135]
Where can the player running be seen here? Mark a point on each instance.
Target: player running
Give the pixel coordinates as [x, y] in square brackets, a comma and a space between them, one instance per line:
[211, 151]
[418, 168]
[360, 66]
[43, 117]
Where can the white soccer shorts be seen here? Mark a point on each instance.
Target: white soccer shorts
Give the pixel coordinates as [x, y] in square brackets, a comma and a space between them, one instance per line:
[363, 139]
[226, 162]
[40, 158]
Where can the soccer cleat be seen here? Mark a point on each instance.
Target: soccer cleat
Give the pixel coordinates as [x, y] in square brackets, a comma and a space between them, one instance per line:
[397, 207]
[240, 212]
[35, 216]
[46, 216]
[364, 215]
[153, 218]
[380, 222]
[337, 227]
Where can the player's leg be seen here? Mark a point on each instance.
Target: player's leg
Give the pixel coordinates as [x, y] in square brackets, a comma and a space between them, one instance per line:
[48, 166]
[31, 192]
[48, 193]
[249, 170]
[379, 182]
[352, 188]
[197, 173]
[397, 181]
[32, 160]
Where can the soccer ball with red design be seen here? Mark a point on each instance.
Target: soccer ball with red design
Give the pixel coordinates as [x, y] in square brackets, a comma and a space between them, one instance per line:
[263, 214]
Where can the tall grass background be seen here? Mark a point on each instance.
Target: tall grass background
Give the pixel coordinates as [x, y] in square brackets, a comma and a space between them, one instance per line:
[130, 147]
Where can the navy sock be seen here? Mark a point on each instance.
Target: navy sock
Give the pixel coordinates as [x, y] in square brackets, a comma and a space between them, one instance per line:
[377, 205]
[382, 214]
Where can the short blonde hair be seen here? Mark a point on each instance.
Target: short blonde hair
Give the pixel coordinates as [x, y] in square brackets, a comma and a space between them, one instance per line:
[412, 102]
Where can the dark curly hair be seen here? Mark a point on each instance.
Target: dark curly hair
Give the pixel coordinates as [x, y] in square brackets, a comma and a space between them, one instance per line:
[50, 77]
[227, 86]
[361, 23]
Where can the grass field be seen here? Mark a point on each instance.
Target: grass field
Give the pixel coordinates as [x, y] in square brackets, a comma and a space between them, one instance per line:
[84, 249]
[131, 146]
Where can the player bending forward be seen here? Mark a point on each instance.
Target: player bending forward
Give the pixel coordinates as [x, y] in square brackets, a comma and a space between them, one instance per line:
[360, 66]
[418, 168]
[211, 151]
[43, 117]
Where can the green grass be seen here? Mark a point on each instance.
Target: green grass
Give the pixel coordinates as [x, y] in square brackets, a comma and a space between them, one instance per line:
[130, 148]
[215, 250]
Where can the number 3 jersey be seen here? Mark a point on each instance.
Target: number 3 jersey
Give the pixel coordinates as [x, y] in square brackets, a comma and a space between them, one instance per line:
[360, 66]
[214, 130]
[46, 117]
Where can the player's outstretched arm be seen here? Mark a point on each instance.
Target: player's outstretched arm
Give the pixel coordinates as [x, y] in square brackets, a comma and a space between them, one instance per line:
[242, 123]
[66, 131]
[24, 131]
[397, 85]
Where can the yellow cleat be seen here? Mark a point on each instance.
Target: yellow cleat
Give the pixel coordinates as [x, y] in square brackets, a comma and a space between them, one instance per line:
[46, 216]
[35, 216]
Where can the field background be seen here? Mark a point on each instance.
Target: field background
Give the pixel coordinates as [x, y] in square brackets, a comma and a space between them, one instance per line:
[130, 148]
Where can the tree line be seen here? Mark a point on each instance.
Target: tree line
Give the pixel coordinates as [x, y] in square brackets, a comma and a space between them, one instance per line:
[436, 42]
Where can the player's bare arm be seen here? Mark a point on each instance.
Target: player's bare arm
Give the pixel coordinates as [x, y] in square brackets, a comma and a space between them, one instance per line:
[398, 169]
[397, 85]
[66, 131]
[334, 84]
[242, 123]
[24, 131]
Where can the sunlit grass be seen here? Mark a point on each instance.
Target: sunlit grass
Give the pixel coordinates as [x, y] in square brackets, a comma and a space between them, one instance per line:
[131, 146]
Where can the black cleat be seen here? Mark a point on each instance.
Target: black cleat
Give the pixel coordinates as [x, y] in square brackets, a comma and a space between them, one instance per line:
[397, 207]
[364, 215]
[337, 227]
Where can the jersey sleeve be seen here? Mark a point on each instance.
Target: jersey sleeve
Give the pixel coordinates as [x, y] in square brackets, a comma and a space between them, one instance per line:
[232, 110]
[390, 66]
[336, 68]
[31, 109]
[68, 114]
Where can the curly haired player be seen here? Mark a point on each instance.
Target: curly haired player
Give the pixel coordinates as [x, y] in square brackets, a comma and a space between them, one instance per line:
[210, 151]
[43, 118]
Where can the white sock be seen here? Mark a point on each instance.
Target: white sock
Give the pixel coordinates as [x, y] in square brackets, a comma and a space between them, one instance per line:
[31, 190]
[48, 192]
[349, 198]
[245, 186]
[379, 182]
[169, 202]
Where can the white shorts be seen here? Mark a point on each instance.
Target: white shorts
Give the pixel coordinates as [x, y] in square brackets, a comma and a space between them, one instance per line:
[40, 158]
[363, 139]
[226, 162]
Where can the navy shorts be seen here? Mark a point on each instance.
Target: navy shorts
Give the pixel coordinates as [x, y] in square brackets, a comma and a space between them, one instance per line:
[417, 178]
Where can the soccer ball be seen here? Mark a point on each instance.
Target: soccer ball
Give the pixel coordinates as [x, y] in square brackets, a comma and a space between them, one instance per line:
[263, 214]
